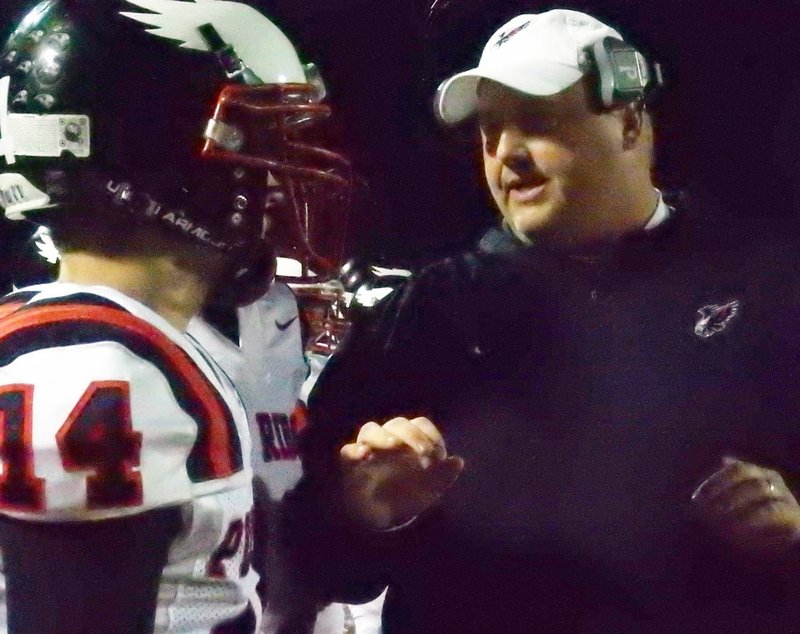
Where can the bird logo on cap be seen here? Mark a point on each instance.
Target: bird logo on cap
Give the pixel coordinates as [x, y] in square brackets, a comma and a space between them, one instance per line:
[504, 37]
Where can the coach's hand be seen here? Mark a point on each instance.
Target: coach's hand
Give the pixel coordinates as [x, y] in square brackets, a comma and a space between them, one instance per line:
[395, 471]
[751, 509]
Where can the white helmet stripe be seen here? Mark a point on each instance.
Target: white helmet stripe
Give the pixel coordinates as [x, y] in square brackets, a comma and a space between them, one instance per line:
[259, 43]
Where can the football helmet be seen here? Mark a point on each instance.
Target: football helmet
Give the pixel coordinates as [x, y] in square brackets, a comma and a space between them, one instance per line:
[329, 309]
[196, 114]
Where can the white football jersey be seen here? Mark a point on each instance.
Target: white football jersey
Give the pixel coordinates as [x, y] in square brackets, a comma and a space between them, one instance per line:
[69, 356]
[273, 377]
[268, 369]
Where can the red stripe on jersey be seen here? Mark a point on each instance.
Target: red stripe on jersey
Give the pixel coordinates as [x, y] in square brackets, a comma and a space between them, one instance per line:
[217, 451]
[7, 309]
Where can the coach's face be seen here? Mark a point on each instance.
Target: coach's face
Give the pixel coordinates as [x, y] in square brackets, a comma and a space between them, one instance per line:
[551, 163]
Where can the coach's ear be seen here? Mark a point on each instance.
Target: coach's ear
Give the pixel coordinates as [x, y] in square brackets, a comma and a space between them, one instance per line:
[633, 123]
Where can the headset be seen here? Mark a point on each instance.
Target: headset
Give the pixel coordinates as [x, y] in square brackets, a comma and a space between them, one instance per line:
[624, 76]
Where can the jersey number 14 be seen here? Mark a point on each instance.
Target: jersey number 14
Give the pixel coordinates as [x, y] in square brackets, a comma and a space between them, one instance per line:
[97, 437]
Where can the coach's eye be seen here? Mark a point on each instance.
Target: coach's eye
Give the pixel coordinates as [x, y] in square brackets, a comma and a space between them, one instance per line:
[541, 126]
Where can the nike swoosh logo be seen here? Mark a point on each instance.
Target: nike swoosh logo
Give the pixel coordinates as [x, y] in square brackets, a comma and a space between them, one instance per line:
[284, 325]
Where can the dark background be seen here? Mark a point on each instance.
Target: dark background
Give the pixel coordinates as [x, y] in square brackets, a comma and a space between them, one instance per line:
[729, 118]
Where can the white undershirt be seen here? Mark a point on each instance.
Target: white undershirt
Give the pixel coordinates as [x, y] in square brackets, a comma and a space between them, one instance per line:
[660, 214]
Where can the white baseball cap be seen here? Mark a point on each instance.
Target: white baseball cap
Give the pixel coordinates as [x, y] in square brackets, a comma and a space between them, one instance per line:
[538, 54]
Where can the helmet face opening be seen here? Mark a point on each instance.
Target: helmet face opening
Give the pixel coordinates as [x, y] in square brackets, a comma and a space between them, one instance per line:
[271, 135]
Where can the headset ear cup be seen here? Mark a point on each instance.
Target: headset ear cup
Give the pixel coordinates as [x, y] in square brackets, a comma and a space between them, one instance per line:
[623, 74]
[604, 72]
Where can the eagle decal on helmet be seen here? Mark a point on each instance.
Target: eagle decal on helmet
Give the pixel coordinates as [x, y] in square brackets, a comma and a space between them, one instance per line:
[257, 41]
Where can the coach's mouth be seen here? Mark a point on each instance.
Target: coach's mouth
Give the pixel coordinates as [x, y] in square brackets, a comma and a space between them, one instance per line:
[527, 190]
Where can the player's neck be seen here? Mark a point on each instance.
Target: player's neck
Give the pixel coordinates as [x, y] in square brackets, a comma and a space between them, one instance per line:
[157, 282]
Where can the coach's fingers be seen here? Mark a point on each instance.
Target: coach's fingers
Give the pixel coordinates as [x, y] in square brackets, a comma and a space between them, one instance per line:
[446, 472]
[731, 474]
[377, 437]
[354, 452]
[743, 496]
[431, 431]
[412, 435]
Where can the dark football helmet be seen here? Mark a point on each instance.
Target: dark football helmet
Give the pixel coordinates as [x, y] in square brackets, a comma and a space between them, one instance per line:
[194, 114]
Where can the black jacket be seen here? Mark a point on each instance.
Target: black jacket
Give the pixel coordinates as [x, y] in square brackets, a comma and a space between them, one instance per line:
[588, 400]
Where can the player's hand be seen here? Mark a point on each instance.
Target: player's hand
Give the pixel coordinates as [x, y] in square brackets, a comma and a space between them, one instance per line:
[751, 509]
[395, 471]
